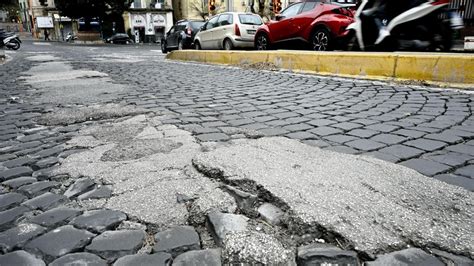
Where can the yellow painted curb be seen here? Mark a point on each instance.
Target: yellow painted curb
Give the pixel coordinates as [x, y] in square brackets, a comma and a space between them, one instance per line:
[455, 70]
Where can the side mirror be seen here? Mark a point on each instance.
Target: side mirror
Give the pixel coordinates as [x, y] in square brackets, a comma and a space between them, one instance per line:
[203, 27]
[279, 17]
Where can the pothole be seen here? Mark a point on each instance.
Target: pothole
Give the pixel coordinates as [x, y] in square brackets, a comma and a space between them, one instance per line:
[139, 148]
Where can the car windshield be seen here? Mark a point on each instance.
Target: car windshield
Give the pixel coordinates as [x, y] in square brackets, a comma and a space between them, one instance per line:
[250, 19]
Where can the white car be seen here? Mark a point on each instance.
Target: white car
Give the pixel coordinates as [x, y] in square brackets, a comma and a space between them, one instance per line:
[228, 31]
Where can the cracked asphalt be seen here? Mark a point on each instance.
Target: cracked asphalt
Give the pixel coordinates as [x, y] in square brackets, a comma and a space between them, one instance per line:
[429, 130]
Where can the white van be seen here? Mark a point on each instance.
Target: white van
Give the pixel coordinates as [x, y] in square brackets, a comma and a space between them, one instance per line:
[228, 31]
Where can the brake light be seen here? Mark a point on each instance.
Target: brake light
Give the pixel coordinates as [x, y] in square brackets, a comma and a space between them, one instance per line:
[189, 31]
[237, 30]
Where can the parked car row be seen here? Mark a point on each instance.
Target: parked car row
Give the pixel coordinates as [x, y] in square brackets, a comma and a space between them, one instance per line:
[316, 24]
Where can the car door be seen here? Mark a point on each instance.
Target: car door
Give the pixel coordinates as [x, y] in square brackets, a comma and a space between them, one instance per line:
[170, 40]
[224, 28]
[280, 30]
[206, 35]
[304, 18]
[180, 27]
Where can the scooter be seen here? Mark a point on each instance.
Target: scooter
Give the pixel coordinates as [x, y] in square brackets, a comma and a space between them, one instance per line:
[388, 25]
[70, 37]
[9, 40]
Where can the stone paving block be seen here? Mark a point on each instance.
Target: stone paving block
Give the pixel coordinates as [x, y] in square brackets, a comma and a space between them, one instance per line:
[240, 122]
[411, 256]
[8, 217]
[426, 144]
[38, 188]
[284, 115]
[451, 259]
[224, 223]
[383, 156]
[321, 122]
[22, 258]
[457, 180]
[80, 186]
[342, 149]
[347, 125]
[177, 240]
[6, 157]
[270, 213]
[157, 259]
[55, 217]
[298, 127]
[45, 201]
[208, 257]
[325, 131]
[80, 259]
[301, 135]
[212, 137]
[47, 162]
[450, 158]
[401, 151]
[112, 245]
[273, 131]
[21, 161]
[49, 152]
[426, 167]
[97, 193]
[244, 199]
[10, 200]
[340, 139]
[462, 148]
[15, 172]
[17, 236]
[382, 128]
[389, 138]
[467, 171]
[409, 133]
[363, 133]
[365, 144]
[60, 241]
[324, 254]
[99, 220]
[19, 181]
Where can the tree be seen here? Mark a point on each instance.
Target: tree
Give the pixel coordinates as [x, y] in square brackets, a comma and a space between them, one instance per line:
[12, 8]
[89, 9]
[202, 9]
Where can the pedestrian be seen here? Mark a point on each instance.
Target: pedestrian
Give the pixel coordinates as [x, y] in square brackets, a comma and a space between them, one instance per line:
[46, 35]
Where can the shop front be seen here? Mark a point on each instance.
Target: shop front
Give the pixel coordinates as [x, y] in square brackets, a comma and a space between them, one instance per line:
[149, 27]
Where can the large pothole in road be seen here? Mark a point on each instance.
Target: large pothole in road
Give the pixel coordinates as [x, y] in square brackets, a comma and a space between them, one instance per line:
[139, 148]
[74, 114]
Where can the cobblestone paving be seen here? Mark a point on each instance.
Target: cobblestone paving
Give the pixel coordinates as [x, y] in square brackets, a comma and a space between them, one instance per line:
[429, 130]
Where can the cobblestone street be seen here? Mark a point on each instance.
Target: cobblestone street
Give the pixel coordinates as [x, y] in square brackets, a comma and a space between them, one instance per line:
[54, 97]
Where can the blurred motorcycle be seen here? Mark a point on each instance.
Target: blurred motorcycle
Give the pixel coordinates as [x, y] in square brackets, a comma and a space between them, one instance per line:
[70, 37]
[419, 25]
[9, 40]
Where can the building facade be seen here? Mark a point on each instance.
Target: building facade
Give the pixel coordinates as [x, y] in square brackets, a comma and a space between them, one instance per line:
[148, 20]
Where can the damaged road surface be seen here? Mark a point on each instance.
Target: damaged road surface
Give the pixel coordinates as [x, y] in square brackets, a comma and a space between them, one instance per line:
[358, 203]
[104, 161]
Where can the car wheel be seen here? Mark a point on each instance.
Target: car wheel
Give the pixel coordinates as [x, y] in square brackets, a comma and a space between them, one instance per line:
[127, 42]
[262, 42]
[228, 45]
[197, 46]
[163, 47]
[180, 45]
[321, 40]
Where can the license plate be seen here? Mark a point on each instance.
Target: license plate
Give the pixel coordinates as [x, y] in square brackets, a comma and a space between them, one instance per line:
[251, 32]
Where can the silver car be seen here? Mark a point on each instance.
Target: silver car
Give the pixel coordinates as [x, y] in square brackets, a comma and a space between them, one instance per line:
[228, 31]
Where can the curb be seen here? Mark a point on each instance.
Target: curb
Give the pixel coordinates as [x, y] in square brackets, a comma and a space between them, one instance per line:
[453, 70]
[2, 55]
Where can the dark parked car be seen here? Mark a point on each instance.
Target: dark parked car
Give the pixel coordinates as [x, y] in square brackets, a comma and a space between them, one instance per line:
[181, 35]
[321, 24]
[119, 38]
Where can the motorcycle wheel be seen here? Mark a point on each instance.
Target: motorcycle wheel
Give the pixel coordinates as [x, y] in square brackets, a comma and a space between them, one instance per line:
[15, 46]
[443, 39]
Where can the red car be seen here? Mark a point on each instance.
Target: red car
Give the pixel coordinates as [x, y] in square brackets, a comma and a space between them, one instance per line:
[320, 23]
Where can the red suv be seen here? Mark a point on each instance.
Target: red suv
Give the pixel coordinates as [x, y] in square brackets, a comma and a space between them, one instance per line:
[320, 23]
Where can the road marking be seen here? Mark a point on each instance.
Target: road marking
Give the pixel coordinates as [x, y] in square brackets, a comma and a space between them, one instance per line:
[41, 43]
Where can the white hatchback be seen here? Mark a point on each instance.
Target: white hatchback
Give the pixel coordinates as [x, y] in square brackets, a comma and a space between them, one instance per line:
[228, 31]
